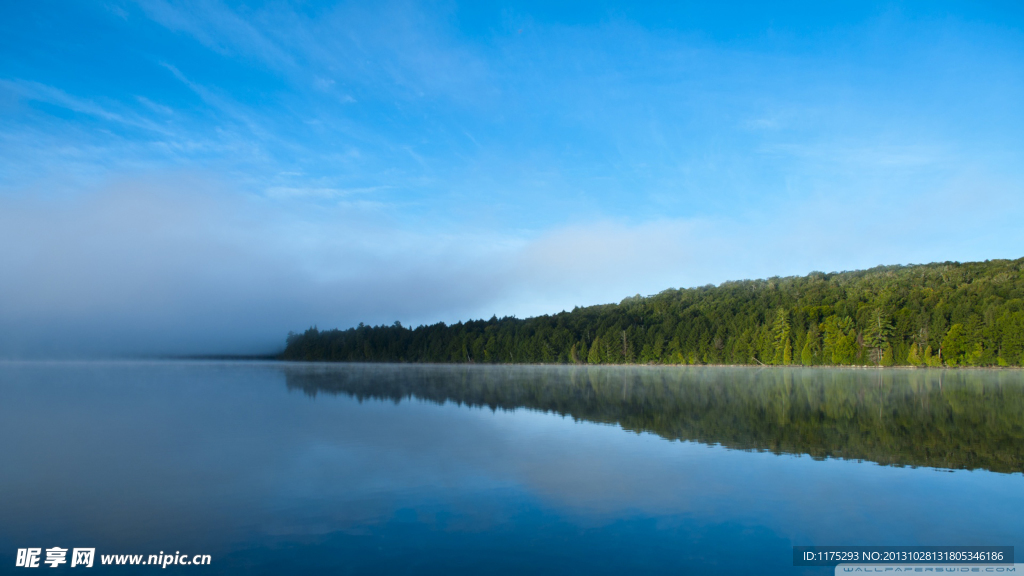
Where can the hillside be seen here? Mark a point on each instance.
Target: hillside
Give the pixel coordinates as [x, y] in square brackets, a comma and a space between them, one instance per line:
[947, 314]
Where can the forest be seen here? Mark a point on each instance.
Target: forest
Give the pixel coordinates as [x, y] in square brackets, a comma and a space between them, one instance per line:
[947, 314]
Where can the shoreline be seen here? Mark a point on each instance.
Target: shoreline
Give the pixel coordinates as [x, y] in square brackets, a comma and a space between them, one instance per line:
[276, 359]
[759, 366]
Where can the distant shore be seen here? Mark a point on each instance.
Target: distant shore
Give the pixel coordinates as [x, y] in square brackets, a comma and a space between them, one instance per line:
[945, 314]
[767, 366]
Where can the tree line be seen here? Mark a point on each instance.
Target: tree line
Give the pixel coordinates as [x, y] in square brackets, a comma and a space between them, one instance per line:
[939, 315]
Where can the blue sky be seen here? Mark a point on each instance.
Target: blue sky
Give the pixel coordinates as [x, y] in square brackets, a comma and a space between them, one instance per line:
[187, 177]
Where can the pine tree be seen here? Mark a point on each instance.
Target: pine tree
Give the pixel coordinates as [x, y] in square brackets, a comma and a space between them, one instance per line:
[807, 355]
[840, 340]
[914, 357]
[594, 357]
[955, 345]
[877, 336]
[887, 357]
[780, 336]
[974, 356]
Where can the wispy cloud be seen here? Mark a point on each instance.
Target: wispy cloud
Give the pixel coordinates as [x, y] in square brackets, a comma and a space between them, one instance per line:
[286, 192]
[36, 92]
[217, 28]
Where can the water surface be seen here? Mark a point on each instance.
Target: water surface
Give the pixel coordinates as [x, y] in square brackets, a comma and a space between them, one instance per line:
[281, 468]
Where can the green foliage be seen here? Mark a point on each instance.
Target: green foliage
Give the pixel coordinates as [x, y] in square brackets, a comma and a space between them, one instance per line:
[840, 340]
[888, 358]
[780, 335]
[914, 356]
[595, 352]
[954, 314]
[954, 345]
[876, 337]
[807, 355]
[975, 357]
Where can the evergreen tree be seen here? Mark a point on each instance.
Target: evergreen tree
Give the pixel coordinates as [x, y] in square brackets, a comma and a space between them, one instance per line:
[877, 335]
[954, 345]
[974, 357]
[888, 358]
[840, 340]
[807, 355]
[914, 356]
[780, 335]
[594, 357]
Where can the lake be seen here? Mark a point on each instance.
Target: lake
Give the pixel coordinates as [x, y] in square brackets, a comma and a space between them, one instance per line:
[275, 468]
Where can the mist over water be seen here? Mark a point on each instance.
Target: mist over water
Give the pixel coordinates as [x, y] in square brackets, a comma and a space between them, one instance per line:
[441, 469]
[931, 418]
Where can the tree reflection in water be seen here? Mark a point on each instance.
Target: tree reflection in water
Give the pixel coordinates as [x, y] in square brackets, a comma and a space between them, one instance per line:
[943, 419]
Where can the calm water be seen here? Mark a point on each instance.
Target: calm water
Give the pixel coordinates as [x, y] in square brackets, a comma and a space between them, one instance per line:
[278, 469]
